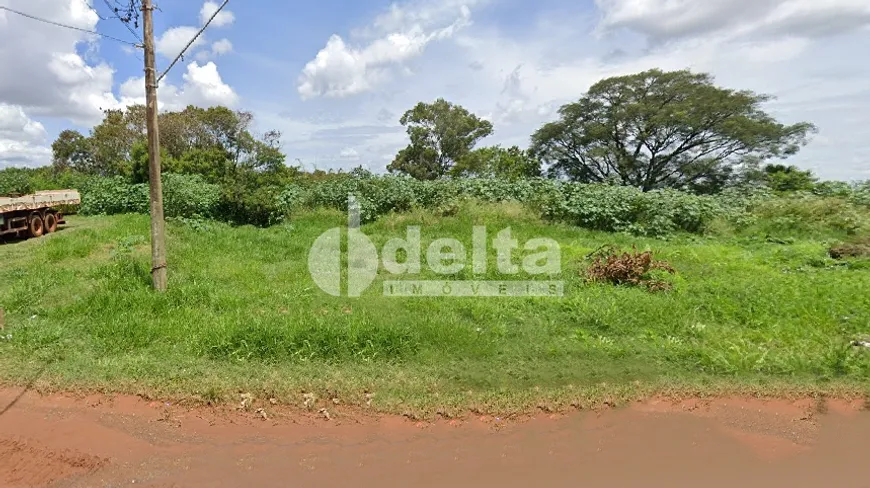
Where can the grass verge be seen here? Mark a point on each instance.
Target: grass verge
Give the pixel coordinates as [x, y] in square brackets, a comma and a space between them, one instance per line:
[746, 314]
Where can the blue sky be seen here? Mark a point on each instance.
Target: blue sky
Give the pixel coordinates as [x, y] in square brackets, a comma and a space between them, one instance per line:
[334, 76]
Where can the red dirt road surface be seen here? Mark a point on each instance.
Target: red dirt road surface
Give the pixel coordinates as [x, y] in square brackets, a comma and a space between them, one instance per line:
[103, 441]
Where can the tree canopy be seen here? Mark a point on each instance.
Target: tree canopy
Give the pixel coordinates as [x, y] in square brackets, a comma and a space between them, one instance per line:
[441, 135]
[659, 129]
[495, 161]
[780, 177]
[212, 142]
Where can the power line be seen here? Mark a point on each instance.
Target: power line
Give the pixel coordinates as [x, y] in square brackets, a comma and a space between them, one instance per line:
[97, 12]
[126, 22]
[131, 12]
[40, 19]
[181, 54]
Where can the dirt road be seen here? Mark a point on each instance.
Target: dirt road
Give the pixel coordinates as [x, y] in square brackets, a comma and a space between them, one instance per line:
[101, 441]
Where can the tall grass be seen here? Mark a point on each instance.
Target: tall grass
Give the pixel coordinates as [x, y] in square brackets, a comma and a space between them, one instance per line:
[243, 312]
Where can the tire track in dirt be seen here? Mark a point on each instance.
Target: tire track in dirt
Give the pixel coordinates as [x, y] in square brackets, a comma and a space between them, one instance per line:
[26, 463]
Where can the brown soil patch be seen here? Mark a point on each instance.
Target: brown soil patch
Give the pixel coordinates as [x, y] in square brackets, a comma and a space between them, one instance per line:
[96, 441]
[24, 463]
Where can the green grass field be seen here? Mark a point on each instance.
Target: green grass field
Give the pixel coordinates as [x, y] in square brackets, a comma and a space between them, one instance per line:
[242, 314]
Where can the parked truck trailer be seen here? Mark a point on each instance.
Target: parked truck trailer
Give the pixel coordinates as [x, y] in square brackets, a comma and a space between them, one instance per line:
[37, 214]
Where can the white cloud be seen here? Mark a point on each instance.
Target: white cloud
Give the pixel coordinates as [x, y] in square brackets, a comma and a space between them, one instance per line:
[340, 70]
[775, 51]
[225, 17]
[218, 48]
[22, 140]
[349, 153]
[15, 124]
[174, 39]
[814, 77]
[222, 47]
[87, 90]
[401, 16]
[518, 79]
[202, 86]
[17, 154]
[42, 71]
[669, 19]
[43, 75]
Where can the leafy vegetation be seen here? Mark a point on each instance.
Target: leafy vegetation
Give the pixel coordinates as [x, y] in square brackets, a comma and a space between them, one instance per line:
[242, 313]
[213, 147]
[660, 129]
[259, 201]
[779, 177]
[512, 163]
[183, 196]
[15, 182]
[666, 164]
[441, 135]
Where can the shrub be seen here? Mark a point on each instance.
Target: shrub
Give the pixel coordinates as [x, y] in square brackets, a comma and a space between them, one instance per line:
[788, 178]
[258, 206]
[15, 182]
[808, 214]
[839, 189]
[849, 251]
[291, 198]
[108, 196]
[854, 248]
[189, 196]
[861, 194]
[183, 196]
[629, 268]
[626, 209]
[264, 199]
[594, 206]
[21, 181]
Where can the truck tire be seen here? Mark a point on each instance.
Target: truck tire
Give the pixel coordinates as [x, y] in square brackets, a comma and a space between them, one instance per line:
[35, 226]
[50, 222]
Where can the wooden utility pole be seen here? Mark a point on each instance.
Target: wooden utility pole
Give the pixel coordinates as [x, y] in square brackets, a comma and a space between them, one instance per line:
[158, 226]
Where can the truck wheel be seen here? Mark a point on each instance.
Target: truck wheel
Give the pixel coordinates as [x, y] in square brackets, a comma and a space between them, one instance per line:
[50, 223]
[36, 226]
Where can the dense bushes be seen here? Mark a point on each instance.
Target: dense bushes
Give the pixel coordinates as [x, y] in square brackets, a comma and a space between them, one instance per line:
[183, 196]
[594, 206]
[242, 205]
[625, 209]
[190, 196]
[802, 214]
[380, 195]
[654, 213]
[21, 181]
[15, 181]
[261, 199]
[113, 196]
[186, 196]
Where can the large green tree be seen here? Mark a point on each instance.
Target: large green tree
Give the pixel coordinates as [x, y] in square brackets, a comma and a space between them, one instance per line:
[496, 161]
[214, 142]
[660, 129]
[112, 140]
[72, 150]
[441, 135]
[780, 177]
